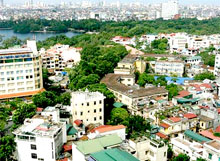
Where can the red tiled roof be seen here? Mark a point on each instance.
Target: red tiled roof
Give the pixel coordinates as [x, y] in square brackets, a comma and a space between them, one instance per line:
[105, 128]
[164, 125]
[218, 110]
[204, 107]
[39, 109]
[206, 85]
[190, 115]
[217, 129]
[161, 135]
[64, 159]
[183, 93]
[22, 94]
[197, 87]
[67, 148]
[175, 119]
[209, 135]
[78, 122]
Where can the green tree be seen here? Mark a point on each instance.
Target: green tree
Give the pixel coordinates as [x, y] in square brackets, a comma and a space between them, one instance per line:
[44, 99]
[119, 116]
[169, 152]
[200, 159]
[64, 98]
[7, 147]
[182, 157]
[205, 75]
[173, 90]
[23, 111]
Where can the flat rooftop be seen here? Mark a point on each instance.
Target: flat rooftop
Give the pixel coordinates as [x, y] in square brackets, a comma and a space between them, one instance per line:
[38, 126]
[15, 51]
[215, 144]
[112, 81]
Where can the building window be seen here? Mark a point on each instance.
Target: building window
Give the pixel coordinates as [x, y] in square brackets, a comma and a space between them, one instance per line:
[100, 110]
[82, 104]
[94, 102]
[94, 118]
[146, 152]
[87, 103]
[100, 102]
[34, 155]
[88, 111]
[100, 117]
[94, 110]
[81, 113]
[165, 154]
[33, 147]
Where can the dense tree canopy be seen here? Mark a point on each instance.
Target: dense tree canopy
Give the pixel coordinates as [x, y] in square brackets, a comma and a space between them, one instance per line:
[7, 147]
[205, 75]
[124, 28]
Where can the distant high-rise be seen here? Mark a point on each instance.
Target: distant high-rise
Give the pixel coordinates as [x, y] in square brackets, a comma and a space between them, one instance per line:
[169, 9]
[1, 3]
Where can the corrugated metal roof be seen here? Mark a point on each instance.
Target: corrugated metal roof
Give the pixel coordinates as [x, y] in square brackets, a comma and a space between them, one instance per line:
[195, 136]
[113, 155]
[98, 144]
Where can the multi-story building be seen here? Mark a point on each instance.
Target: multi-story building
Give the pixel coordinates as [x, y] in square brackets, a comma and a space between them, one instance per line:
[169, 9]
[217, 65]
[40, 139]
[131, 95]
[144, 148]
[212, 150]
[169, 68]
[60, 57]
[20, 72]
[88, 107]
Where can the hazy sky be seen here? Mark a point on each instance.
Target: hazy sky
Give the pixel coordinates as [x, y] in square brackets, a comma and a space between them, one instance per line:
[217, 2]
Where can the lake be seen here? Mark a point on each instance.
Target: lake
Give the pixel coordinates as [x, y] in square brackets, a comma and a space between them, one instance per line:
[39, 35]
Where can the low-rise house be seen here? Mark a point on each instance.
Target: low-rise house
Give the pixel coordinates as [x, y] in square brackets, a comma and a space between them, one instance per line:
[82, 150]
[175, 125]
[212, 150]
[148, 149]
[112, 155]
[107, 130]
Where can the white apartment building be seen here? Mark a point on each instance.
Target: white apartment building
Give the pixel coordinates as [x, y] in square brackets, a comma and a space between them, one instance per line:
[20, 72]
[59, 57]
[144, 148]
[178, 42]
[88, 107]
[217, 65]
[169, 9]
[40, 139]
[212, 150]
[169, 68]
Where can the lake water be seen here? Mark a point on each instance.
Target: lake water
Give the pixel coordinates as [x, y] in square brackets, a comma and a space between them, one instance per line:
[39, 36]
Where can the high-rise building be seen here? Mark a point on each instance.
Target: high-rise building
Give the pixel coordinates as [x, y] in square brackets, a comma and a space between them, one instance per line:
[1, 3]
[20, 72]
[169, 9]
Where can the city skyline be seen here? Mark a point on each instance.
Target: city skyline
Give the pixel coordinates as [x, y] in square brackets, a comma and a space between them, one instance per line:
[209, 2]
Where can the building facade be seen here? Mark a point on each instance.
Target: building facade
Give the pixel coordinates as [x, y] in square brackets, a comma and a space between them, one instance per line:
[169, 68]
[20, 72]
[88, 107]
[40, 139]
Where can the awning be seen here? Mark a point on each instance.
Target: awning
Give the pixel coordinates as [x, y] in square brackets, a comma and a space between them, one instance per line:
[118, 104]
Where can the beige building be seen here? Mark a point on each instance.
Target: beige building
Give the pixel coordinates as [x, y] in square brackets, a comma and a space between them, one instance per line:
[88, 107]
[131, 95]
[144, 149]
[20, 72]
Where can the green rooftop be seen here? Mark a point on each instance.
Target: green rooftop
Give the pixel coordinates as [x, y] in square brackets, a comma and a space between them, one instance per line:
[118, 104]
[195, 136]
[184, 100]
[113, 155]
[70, 129]
[95, 145]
